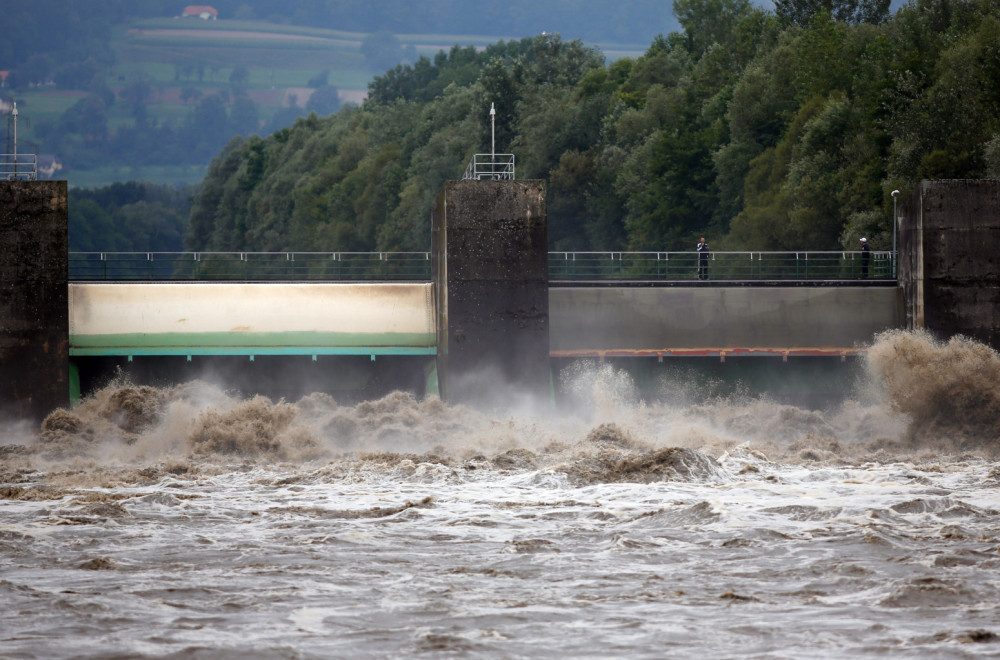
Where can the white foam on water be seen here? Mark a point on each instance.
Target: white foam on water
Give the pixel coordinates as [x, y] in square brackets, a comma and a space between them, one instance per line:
[184, 521]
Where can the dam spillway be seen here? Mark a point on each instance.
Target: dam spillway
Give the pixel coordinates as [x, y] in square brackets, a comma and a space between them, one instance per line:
[389, 333]
[357, 336]
[379, 319]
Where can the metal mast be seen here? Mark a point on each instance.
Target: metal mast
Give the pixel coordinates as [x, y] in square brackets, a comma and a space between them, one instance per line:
[14, 114]
[493, 132]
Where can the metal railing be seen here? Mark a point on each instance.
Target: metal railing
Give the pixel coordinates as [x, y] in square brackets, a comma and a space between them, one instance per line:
[840, 265]
[18, 167]
[490, 166]
[416, 266]
[254, 266]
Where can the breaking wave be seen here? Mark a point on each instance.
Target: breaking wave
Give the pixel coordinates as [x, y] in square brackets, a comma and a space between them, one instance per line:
[949, 391]
[173, 521]
[920, 397]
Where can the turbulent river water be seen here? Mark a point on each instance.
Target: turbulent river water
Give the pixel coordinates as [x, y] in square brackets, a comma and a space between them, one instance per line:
[187, 522]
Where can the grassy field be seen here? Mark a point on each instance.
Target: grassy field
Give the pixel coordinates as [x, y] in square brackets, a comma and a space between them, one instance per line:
[41, 105]
[171, 55]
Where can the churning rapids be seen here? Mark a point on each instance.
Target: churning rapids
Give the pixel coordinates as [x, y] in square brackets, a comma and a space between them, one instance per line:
[185, 522]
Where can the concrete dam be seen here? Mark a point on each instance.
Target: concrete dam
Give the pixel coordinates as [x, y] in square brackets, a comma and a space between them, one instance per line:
[491, 312]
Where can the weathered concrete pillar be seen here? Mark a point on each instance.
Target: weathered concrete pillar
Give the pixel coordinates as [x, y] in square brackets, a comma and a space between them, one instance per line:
[949, 265]
[34, 327]
[490, 260]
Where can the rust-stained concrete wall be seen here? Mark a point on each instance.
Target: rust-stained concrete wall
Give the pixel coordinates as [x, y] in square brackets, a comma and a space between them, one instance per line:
[712, 318]
[949, 266]
[227, 318]
[34, 335]
[490, 260]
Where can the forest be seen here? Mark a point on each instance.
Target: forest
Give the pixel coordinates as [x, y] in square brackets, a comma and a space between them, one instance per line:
[762, 129]
[127, 217]
[119, 90]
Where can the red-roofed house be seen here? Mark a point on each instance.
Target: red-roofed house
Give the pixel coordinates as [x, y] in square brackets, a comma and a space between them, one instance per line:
[203, 12]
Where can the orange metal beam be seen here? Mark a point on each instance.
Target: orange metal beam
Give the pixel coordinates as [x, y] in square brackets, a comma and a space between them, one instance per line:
[721, 352]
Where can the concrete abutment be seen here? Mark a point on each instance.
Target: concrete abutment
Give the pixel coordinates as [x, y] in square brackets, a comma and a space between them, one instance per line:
[949, 263]
[34, 335]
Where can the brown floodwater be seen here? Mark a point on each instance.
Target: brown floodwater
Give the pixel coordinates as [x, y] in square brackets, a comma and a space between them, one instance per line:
[186, 522]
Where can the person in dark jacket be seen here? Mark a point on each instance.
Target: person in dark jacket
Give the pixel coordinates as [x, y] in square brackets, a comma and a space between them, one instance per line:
[702, 259]
[866, 254]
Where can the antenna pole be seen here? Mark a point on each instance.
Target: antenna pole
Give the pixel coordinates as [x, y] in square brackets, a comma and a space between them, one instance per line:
[15, 139]
[493, 133]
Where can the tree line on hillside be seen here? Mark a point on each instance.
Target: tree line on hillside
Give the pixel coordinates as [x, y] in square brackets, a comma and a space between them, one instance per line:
[82, 136]
[66, 44]
[619, 21]
[766, 130]
[128, 217]
[70, 39]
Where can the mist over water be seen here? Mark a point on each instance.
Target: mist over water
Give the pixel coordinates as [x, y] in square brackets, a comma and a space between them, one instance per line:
[184, 521]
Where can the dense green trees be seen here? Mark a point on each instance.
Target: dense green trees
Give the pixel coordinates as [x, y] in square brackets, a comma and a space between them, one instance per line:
[68, 45]
[128, 217]
[763, 130]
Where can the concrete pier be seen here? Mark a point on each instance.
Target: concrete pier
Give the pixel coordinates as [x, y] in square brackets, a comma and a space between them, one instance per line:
[34, 327]
[949, 266]
[490, 262]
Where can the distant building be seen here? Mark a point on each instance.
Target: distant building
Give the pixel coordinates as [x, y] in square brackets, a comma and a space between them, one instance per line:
[204, 12]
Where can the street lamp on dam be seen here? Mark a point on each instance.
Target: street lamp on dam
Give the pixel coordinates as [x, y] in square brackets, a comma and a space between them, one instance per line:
[895, 194]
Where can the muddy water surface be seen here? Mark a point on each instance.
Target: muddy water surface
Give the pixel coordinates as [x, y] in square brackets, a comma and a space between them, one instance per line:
[183, 522]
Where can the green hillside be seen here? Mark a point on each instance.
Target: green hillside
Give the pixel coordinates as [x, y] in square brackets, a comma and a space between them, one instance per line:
[175, 64]
[763, 130]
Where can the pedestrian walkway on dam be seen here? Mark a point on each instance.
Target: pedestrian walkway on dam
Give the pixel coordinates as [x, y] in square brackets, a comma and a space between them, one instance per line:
[755, 267]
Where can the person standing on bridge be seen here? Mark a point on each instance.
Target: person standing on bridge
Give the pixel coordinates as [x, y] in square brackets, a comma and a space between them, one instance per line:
[702, 259]
[866, 254]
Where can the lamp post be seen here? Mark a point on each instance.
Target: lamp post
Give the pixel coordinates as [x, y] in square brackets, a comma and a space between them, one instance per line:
[895, 258]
